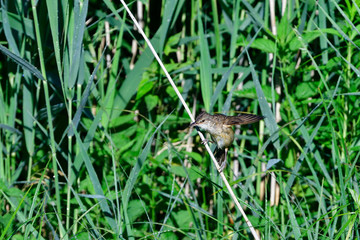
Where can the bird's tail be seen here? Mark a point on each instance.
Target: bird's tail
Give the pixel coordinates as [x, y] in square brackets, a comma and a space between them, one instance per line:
[220, 155]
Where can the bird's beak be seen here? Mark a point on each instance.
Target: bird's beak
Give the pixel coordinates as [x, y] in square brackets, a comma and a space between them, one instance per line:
[192, 124]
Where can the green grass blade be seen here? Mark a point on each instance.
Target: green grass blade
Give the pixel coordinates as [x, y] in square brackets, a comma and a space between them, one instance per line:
[84, 99]
[28, 109]
[220, 86]
[134, 174]
[130, 85]
[19, 23]
[264, 106]
[323, 38]
[80, 11]
[96, 183]
[17, 205]
[205, 67]
[309, 143]
[110, 92]
[53, 8]
[337, 27]
[7, 30]
[22, 62]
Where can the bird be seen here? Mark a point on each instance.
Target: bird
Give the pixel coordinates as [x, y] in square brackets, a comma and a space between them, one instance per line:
[219, 126]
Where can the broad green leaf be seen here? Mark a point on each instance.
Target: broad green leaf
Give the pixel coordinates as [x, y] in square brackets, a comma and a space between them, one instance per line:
[151, 101]
[265, 45]
[306, 89]
[145, 86]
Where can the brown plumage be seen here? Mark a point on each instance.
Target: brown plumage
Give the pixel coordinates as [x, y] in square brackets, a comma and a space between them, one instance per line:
[220, 128]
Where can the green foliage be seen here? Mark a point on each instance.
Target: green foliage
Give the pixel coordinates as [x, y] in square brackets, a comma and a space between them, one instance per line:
[94, 140]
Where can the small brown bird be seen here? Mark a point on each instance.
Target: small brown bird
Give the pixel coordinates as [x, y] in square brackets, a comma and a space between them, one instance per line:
[220, 128]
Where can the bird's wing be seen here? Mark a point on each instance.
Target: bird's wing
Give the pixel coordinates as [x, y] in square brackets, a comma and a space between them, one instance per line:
[242, 119]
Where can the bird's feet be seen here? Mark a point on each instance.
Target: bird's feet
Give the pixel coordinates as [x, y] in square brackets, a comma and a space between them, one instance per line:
[223, 165]
[222, 160]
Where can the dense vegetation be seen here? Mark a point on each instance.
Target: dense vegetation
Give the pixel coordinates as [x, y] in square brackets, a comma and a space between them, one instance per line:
[94, 139]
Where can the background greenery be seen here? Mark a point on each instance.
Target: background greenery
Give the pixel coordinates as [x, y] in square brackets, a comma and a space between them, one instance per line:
[94, 141]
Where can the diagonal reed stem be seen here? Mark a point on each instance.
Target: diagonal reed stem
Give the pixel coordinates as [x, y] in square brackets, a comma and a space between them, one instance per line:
[231, 192]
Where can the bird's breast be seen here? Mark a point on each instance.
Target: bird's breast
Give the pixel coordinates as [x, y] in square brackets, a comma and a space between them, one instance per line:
[224, 138]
